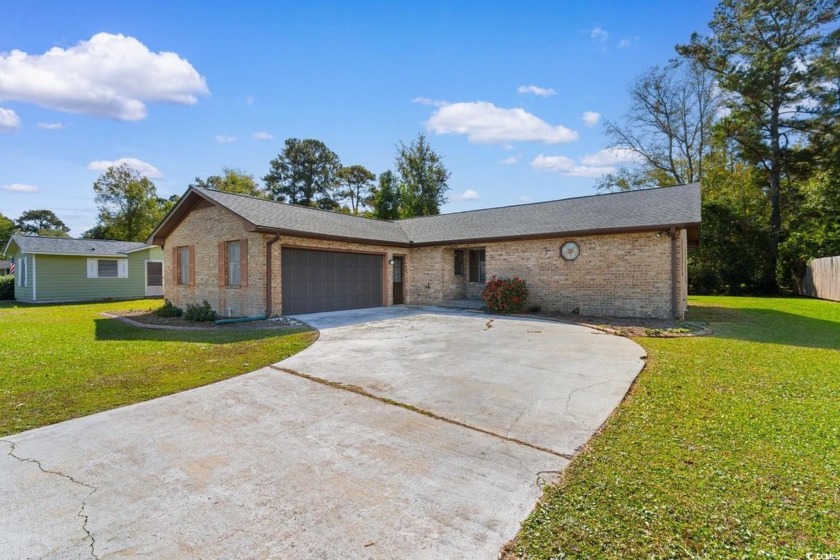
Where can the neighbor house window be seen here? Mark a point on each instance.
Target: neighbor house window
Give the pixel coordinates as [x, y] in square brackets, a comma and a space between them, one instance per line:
[107, 268]
[234, 256]
[459, 262]
[23, 272]
[183, 266]
[477, 265]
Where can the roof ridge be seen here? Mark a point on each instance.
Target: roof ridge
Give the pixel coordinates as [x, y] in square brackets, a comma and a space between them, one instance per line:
[292, 205]
[50, 237]
[597, 195]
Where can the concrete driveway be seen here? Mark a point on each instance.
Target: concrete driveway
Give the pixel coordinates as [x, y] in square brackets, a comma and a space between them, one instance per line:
[273, 464]
[545, 383]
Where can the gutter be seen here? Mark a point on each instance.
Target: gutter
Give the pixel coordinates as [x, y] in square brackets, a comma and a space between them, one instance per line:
[268, 274]
[673, 235]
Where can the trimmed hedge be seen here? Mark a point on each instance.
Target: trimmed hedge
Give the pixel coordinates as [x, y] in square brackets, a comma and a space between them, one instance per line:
[7, 287]
[201, 312]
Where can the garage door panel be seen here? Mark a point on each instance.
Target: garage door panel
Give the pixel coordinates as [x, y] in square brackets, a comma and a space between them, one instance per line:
[316, 281]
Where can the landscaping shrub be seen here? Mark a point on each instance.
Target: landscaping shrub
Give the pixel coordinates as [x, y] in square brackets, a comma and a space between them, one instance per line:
[7, 287]
[168, 310]
[201, 312]
[505, 295]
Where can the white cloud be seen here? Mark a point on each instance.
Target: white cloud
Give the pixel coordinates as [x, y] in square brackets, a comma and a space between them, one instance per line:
[145, 169]
[263, 136]
[590, 118]
[509, 160]
[627, 43]
[108, 75]
[9, 120]
[524, 198]
[599, 34]
[467, 195]
[552, 163]
[50, 125]
[484, 123]
[536, 90]
[611, 156]
[429, 102]
[20, 188]
[224, 138]
[591, 165]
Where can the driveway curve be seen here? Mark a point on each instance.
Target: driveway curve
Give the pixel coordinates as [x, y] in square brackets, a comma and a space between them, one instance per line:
[546, 383]
[401, 433]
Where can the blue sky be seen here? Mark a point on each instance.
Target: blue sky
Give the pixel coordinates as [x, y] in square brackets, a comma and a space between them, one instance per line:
[513, 95]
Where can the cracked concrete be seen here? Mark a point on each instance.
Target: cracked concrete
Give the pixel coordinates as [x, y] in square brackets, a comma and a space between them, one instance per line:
[81, 513]
[506, 375]
[274, 465]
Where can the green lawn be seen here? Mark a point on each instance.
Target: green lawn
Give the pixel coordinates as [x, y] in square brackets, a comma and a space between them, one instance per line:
[65, 361]
[728, 446]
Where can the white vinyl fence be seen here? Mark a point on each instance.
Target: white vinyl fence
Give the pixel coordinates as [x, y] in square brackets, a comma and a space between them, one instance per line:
[822, 278]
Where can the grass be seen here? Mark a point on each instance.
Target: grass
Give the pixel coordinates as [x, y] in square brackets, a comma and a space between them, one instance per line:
[65, 361]
[728, 446]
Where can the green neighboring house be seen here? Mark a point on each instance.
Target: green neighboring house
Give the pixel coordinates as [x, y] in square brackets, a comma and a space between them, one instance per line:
[52, 269]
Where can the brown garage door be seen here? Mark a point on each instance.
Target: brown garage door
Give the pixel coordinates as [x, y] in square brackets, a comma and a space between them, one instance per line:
[329, 281]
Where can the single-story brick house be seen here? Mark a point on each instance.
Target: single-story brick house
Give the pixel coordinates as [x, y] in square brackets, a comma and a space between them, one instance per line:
[620, 254]
[53, 269]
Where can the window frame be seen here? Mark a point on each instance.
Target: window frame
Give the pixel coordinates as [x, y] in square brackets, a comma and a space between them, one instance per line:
[182, 266]
[459, 262]
[93, 267]
[231, 264]
[477, 272]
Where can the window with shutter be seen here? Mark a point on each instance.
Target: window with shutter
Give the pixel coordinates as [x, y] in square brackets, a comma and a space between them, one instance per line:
[233, 263]
[183, 266]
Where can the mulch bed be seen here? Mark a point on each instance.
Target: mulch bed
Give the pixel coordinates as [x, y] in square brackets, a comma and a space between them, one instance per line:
[621, 326]
[632, 326]
[147, 318]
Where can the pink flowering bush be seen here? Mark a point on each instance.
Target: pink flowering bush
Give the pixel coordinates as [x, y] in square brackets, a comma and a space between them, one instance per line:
[505, 295]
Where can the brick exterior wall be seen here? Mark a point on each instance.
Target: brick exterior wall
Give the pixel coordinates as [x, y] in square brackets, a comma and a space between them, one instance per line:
[615, 275]
[203, 229]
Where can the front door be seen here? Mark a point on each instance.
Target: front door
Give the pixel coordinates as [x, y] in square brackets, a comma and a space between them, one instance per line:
[154, 278]
[399, 273]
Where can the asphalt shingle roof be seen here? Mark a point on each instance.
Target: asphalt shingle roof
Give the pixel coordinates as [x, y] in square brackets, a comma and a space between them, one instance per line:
[67, 246]
[274, 215]
[619, 211]
[633, 210]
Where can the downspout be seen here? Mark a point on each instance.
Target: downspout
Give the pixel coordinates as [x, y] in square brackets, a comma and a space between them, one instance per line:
[268, 274]
[673, 236]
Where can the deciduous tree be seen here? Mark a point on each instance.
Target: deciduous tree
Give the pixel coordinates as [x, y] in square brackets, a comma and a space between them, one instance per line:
[7, 229]
[129, 208]
[668, 127]
[232, 181]
[385, 198]
[423, 178]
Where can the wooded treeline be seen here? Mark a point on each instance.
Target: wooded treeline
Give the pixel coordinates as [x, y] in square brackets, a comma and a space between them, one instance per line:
[751, 112]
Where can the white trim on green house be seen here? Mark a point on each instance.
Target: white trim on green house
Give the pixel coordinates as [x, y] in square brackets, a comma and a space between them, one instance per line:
[34, 281]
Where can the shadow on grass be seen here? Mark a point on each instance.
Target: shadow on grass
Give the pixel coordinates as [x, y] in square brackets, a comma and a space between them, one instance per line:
[769, 326]
[114, 329]
[152, 301]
